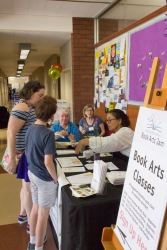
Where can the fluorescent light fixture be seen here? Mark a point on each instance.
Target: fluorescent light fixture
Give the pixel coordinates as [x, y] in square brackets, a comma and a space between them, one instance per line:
[18, 71]
[20, 64]
[24, 50]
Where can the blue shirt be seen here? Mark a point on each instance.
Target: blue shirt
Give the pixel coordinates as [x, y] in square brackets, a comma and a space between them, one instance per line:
[72, 128]
[40, 141]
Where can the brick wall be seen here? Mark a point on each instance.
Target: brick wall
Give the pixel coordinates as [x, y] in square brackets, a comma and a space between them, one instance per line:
[82, 65]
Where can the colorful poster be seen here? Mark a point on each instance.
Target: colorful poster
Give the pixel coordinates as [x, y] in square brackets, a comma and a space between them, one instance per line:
[110, 72]
[144, 197]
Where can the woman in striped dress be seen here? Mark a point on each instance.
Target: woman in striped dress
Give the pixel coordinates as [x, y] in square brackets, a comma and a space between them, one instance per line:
[21, 117]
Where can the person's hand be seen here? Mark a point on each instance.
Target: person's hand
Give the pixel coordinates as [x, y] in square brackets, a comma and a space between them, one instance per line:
[81, 145]
[64, 133]
[11, 168]
[58, 135]
[83, 131]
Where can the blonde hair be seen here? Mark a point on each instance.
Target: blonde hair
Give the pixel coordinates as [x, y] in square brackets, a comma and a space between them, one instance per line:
[86, 107]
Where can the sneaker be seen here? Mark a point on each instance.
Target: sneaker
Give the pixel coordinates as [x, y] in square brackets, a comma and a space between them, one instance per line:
[22, 219]
[28, 229]
[31, 246]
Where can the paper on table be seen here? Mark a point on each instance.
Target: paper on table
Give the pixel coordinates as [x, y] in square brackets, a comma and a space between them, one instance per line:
[111, 166]
[65, 152]
[82, 192]
[85, 178]
[73, 169]
[116, 177]
[105, 154]
[67, 162]
[62, 144]
[89, 166]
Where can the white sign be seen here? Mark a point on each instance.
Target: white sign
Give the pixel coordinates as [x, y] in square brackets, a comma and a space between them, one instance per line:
[144, 196]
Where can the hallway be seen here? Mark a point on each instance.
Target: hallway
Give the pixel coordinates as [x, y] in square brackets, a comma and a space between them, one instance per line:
[13, 235]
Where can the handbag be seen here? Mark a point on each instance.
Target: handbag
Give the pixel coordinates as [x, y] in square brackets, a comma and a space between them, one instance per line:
[5, 160]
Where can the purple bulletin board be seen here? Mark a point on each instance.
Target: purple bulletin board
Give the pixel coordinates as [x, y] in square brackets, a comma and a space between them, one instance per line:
[145, 44]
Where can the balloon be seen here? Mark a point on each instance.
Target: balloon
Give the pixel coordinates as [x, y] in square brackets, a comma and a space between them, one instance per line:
[58, 66]
[54, 73]
[50, 73]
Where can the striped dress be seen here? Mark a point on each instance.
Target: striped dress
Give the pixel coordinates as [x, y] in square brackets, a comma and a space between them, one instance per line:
[29, 118]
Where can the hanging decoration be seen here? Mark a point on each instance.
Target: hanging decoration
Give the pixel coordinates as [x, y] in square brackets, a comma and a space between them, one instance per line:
[54, 71]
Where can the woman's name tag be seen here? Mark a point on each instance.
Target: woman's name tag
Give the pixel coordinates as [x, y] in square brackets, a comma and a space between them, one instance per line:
[91, 128]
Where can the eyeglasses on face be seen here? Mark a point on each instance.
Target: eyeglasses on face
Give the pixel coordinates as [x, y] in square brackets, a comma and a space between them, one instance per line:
[89, 110]
[109, 120]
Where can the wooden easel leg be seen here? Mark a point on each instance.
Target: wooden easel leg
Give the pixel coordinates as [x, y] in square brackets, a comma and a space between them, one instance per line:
[151, 82]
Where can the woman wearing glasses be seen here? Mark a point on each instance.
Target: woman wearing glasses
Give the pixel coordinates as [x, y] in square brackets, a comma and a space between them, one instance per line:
[120, 141]
[91, 125]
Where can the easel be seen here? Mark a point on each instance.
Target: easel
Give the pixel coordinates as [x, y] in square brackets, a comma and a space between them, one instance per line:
[154, 98]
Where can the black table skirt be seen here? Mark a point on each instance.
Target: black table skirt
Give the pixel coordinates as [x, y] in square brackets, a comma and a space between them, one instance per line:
[83, 219]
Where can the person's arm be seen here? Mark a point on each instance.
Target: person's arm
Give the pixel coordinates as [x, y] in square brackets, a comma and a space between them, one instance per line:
[121, 140]
[81, 145]
[74, 130]
[82, 130]
[49, 163]
[102, 129]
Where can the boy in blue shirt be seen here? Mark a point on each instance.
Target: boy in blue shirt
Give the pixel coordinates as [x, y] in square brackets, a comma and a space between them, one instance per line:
[40, 152]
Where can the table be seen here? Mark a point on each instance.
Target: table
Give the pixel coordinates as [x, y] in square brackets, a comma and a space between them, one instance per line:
[83, 219]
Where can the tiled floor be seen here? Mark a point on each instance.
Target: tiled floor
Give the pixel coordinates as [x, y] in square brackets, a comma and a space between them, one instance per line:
[12, 235]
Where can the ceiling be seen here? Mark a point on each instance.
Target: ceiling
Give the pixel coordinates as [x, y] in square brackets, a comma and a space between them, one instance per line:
[47, 25]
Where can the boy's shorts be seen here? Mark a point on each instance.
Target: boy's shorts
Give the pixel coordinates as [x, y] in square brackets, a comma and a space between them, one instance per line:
[44, 193]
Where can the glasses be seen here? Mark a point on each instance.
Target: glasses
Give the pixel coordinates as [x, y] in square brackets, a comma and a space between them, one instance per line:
[90, 110]
[109, 120]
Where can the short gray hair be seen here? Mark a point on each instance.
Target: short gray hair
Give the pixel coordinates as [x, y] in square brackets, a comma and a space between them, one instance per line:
[63, 110]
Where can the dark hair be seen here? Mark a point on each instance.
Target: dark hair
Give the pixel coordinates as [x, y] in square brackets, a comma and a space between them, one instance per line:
[30, 88]
[119, 114]
[46, 108]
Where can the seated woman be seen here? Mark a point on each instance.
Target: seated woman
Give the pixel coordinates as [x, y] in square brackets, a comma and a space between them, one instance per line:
[91, 125]
[66, 130]
[120, 141]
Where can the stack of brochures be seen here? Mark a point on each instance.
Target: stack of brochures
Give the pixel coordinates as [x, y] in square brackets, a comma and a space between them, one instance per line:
[99, 175]
[82, 191]
[116, 177]
[84, 178]
[66, 162]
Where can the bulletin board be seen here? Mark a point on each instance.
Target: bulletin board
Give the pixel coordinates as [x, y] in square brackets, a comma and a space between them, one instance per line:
[110, 73]
[141, 42]
[146, 42]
